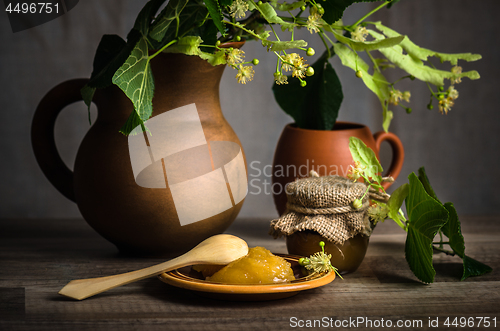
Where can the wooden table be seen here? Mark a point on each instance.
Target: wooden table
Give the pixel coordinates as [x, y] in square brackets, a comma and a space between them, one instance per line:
[38, 257]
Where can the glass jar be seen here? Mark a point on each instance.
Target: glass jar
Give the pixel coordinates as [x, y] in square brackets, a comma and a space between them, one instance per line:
[346, 258]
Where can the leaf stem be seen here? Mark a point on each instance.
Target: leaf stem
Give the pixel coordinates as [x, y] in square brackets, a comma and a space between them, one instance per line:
[326, 45]
[375, 65]
[274, 32]
[430, 89]
[161, 49]
[250, 32]
[326, 36]
[369, 14]
[401, 225]
[447, 252]
[400, 79]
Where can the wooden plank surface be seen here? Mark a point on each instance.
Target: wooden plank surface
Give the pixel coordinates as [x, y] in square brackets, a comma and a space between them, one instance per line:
[38, 257]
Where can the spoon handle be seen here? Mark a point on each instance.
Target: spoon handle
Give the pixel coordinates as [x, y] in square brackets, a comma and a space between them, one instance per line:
[83, 288]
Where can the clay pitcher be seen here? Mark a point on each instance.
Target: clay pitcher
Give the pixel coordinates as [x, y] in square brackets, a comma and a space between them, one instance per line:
[137, 219]
[325, 151]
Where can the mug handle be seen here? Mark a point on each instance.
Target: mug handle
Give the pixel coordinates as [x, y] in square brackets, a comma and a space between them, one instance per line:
[398, 153]
[42, 134]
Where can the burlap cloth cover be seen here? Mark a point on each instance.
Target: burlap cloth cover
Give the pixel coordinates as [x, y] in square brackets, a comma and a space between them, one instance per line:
[324, 205]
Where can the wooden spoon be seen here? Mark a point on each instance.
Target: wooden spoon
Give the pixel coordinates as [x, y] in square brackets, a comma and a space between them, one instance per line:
[219, 249]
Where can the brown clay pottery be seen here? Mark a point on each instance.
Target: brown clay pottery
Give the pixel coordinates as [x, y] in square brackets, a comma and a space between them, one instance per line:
[346, 258]
[327, 152]
[136, 219]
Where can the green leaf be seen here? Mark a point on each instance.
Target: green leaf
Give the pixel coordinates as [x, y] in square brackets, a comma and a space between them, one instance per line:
[214, 58]
[186, 45]
[109, 47]
[376, 83]
[453, 231]
[143, 20]
[87, 95]
[415, 67]
[334, 9]
[208, 33]
[278, 46]
[387, 116]
[396, 201]
[166, 17]
[263, 35]
[135, 78]
[422, 176]
[425, 217]
[110, 55]
[290, 6]
[269, 14]
[215, 12]
[190, 45]
[133, 121]
[393, 2]
[368, 45]
[316, 105]
[190, 17]
[366, 158]
[225, 3]
[423, 53]
[474, 268]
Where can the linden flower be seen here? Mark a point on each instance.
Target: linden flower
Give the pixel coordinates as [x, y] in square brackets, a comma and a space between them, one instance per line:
[406, 96]
[378, 212]
[235, 56]
[313, 23]
[395, 97]
[245, 73]
[319, 262]
[293, 62]
[360, 33]
[456, 70]
[288, 61]
[445, 105]
[356, 172]
[452, 93]
[238, 8]
[280, 79]
[300, 70]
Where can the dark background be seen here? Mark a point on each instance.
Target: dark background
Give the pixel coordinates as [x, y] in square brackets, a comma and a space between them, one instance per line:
[459, 151]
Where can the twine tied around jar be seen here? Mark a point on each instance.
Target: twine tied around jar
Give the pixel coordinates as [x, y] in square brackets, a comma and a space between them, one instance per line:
[325, 205]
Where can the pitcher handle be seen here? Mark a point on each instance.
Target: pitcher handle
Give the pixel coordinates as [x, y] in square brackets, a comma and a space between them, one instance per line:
[398, 153]
[42, 134]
